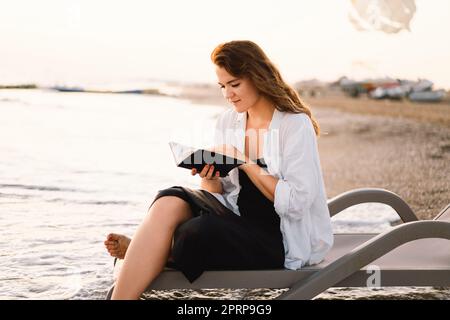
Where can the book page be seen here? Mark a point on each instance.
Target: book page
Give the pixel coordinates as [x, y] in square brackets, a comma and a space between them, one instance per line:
[180, 151]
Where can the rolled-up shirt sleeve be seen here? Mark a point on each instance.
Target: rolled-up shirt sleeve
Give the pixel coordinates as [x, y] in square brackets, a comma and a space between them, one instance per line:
[220, 138]
[296, 189]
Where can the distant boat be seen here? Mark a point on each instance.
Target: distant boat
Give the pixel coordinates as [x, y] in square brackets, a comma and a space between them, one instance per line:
[68, 89]
[427, 96]
[78, 89]
[394, 92]
[138, 91]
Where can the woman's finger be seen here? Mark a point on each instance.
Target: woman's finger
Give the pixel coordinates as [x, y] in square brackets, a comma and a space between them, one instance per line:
[210, 172]
[204, 171]
[193, 171]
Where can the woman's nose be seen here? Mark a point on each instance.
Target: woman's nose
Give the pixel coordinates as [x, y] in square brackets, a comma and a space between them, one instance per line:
[228, 93]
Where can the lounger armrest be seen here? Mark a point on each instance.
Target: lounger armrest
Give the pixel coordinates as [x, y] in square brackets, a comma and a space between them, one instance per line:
[357, 196]
[364, 254]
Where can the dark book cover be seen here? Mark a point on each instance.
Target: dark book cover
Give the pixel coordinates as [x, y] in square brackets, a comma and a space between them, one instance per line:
[188, 157]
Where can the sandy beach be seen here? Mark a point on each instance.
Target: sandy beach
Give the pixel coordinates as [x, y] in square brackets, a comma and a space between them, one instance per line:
[400, 146]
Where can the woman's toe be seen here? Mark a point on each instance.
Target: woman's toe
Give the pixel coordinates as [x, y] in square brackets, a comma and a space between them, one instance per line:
[117, 245]
[112, 245]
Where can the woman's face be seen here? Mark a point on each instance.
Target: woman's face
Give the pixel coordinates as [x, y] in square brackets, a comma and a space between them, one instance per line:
[240, 92]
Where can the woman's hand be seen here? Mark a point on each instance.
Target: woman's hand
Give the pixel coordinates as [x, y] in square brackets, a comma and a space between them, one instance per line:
[209, 181]
[207, 173]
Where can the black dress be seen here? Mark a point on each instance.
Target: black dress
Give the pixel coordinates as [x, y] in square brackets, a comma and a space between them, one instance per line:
[218, 239]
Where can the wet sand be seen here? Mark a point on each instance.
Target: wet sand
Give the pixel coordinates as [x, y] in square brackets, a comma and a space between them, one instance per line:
[403, 147]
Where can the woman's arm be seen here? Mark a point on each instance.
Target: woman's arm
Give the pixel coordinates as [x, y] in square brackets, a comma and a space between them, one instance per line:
[265, 182]
[300, 167]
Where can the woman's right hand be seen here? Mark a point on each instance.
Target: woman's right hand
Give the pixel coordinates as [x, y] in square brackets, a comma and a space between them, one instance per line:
[207, 173]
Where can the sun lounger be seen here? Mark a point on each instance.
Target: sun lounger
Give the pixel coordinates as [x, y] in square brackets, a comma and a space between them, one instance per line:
[415, 253]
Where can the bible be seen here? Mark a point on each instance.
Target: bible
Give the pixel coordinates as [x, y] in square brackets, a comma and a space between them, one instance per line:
[188, 157]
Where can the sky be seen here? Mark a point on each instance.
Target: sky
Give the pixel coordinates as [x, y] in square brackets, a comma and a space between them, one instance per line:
[61, 41]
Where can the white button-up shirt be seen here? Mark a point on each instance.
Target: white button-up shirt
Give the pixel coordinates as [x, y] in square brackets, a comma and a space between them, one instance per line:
[291, 154]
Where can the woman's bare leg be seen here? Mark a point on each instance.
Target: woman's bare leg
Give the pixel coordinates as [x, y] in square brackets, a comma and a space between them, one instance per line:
[149, 249]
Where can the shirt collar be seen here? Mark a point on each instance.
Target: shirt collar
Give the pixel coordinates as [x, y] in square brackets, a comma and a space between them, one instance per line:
[276, 120]
[274, 123]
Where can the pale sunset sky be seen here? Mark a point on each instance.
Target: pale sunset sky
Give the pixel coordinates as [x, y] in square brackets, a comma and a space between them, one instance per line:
[61, 41]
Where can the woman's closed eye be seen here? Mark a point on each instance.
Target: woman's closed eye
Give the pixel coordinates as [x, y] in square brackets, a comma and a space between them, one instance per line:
[233, 85]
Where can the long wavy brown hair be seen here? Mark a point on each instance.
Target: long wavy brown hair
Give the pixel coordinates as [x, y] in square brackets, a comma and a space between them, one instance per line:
[245, 59]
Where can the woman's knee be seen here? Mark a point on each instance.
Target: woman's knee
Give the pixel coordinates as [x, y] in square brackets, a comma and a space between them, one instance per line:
[170, 209]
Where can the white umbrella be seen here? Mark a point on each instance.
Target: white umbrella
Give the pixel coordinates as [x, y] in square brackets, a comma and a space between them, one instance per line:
[389, 16]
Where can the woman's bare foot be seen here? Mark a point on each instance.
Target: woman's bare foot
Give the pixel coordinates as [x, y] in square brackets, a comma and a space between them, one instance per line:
[117, 245]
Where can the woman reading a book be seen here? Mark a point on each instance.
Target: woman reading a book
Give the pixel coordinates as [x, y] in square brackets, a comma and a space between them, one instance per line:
[270, 212]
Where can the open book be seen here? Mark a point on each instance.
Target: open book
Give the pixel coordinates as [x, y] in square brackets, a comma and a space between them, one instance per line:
[188, 157]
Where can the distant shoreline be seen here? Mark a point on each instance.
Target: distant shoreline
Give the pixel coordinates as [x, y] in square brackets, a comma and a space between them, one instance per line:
[151, 91]
[19, 86]
[436, 113]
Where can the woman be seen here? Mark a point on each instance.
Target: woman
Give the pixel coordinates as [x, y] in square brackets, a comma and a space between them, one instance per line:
[270, 212]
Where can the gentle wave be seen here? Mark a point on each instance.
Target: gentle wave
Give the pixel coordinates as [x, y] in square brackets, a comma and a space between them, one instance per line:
[41, 188]
[93, 202]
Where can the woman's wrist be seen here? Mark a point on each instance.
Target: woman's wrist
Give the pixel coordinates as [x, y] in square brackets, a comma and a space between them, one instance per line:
[211, 185]
[247, 164]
